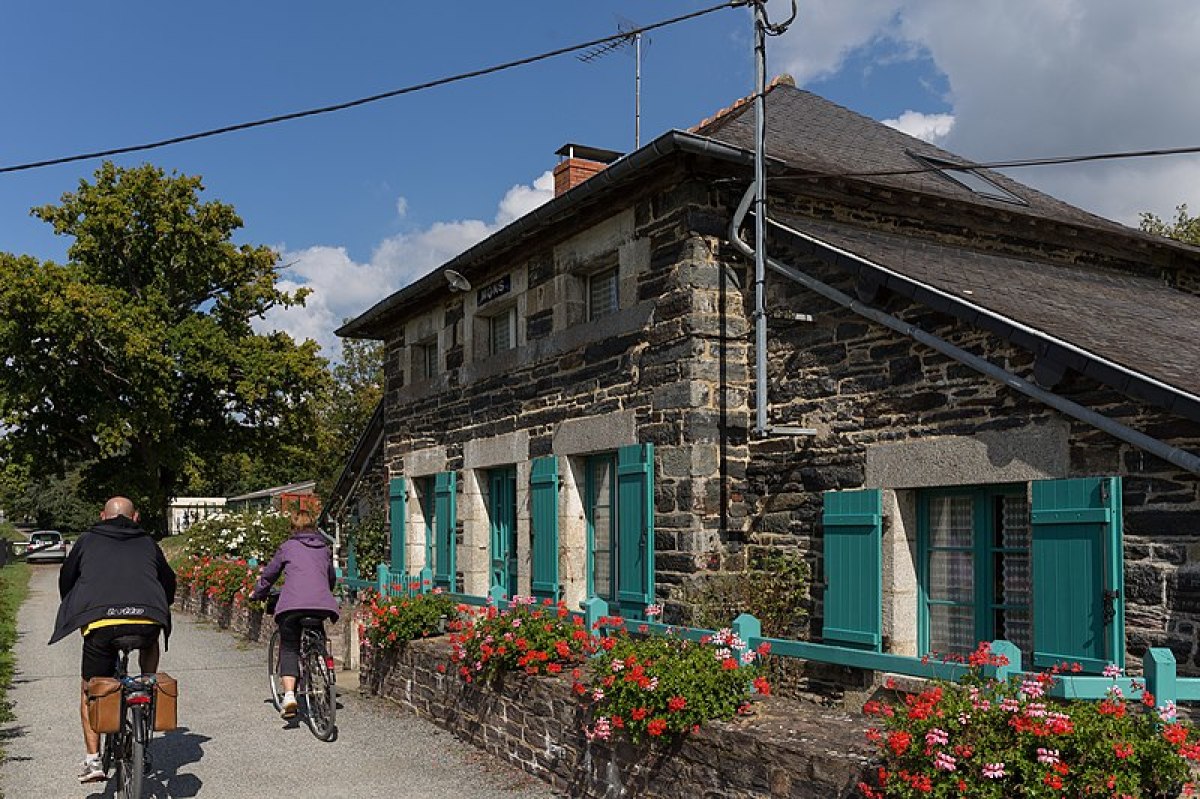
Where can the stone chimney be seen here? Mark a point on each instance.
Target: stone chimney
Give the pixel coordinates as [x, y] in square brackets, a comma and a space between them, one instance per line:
[579, 163]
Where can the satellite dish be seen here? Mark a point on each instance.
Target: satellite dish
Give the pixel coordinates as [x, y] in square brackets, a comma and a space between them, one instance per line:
[457, 281]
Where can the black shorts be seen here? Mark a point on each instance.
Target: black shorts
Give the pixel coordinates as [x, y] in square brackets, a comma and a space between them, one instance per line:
[100, 650]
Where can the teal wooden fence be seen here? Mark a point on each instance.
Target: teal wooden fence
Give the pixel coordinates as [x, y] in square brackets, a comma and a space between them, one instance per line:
[1160, 675]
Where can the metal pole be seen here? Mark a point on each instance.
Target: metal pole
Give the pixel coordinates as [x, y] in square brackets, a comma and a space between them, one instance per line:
[637, 91]
[760, 211]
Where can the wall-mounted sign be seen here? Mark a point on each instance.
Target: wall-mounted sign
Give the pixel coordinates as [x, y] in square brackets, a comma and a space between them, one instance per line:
[493, 290]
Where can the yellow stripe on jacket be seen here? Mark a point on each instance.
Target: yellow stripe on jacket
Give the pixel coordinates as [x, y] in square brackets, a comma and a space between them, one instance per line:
[96, 625]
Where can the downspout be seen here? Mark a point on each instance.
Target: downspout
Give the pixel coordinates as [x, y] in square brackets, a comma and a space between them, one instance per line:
[760, 205]
[1174, 455]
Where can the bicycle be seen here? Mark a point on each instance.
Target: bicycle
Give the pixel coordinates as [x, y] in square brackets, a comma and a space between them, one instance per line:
[317, 683]
[127, 748]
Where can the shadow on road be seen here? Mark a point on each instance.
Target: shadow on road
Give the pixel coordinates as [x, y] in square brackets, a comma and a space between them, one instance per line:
[169, 754]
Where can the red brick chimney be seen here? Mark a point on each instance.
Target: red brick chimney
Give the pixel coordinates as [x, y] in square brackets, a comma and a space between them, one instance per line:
[579, 163]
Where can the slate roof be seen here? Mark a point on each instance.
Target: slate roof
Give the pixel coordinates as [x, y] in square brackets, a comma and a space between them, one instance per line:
[1126, 320]
[815, 136]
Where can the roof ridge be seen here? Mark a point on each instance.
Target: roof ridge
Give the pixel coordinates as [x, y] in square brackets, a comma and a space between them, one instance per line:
[782, 79]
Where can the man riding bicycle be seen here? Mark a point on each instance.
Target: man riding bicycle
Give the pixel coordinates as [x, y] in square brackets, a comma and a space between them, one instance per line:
[116, 589]
[305, 561]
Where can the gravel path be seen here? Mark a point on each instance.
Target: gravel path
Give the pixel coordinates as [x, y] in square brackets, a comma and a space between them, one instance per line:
[232, 743]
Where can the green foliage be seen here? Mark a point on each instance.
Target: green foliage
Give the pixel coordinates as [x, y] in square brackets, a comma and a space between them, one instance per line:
[773, 591]
[660, 687]
[526, 637]
[995, 740]
[345, 410]
[372, 541]
[249, 534]
[138, 356]
[14, 582]
[388, 622]
[1184, 228]
[51, 502]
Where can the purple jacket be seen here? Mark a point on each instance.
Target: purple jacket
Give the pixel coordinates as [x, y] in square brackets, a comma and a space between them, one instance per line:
[305, 561]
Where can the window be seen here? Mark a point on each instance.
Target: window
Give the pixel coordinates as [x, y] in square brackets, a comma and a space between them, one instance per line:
[503, 330]
[971, 180]
[425, 360]
[618, 504]
[975, 568]
[599, 501]
[602, 298]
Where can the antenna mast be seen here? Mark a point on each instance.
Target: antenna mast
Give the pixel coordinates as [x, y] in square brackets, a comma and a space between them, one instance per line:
[630, 34]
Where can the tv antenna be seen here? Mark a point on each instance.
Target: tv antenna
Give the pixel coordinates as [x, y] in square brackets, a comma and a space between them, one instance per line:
[630, 40]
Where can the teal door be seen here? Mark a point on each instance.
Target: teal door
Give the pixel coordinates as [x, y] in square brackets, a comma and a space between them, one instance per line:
[502, 511]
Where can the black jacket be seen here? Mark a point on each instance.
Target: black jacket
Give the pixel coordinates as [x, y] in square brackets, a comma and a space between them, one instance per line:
[114, 570]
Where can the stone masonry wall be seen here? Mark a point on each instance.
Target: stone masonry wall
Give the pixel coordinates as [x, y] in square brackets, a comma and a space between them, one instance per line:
[863, 386]
[786, 749]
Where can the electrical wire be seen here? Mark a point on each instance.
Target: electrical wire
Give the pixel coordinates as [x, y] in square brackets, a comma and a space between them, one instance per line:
[1023, 162]
[372, 98]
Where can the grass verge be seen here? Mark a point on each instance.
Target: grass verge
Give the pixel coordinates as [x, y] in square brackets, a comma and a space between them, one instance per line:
[14, 582]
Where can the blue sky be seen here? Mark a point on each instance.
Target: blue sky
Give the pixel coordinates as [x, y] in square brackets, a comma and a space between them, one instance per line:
[364, 200]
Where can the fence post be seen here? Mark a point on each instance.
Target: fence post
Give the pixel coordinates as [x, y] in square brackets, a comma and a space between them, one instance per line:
[747, 628]
[594, 609]
[381, 580]
[498, 597]
[1159, 668]
[252, 563]
[1010, 652]
[426, 579]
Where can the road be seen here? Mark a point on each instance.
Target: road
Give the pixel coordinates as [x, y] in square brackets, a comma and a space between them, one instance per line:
[233, 743]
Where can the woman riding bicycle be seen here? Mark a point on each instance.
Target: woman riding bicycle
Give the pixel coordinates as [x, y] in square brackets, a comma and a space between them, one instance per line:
[305, 561]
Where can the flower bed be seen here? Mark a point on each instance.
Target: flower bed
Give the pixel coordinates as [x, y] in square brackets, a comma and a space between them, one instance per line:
[994, 739]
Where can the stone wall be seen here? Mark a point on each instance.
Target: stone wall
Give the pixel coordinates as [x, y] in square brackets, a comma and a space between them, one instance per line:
[785, 749]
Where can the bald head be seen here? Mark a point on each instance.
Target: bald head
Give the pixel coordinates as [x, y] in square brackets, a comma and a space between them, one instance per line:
[118, 506]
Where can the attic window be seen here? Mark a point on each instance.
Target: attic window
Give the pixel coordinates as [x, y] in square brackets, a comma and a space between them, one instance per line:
[971, 180]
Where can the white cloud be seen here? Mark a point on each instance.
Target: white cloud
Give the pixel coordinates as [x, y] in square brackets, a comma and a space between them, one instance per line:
[401, 207]
[932, 128]
[1031, 78]
[342, 288]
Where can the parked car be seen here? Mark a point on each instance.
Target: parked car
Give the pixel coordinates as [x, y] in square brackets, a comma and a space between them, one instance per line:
[46, 545]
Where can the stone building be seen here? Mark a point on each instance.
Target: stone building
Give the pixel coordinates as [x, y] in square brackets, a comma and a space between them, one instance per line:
[981, 403]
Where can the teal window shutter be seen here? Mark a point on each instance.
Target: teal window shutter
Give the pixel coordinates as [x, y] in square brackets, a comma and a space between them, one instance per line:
[543, 530]
[397, 496]
[853, 522]
[1078, 601]
[635, 529]
[444, 525]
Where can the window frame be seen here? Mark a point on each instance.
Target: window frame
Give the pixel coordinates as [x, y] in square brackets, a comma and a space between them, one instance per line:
[425, 359]
[508, 314]
[985, 599]
[591, 464]
[614, 271]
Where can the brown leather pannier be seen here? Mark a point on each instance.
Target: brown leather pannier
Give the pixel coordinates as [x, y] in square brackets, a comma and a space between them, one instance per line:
[104, 704]
[166, 703]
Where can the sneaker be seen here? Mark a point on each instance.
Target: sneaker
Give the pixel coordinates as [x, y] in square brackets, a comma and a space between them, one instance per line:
[288, 710]
[91, 771]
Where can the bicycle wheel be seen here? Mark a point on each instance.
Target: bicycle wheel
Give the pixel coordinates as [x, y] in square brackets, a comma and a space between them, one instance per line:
[131, 759]
[320, 691]
[273, 676]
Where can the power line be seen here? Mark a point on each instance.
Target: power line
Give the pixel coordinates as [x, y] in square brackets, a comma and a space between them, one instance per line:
[1063, 159]
[258, 123]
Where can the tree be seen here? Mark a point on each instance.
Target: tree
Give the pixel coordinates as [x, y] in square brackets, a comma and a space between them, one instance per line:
[137, 356]
[356, 389]
[1185, 228]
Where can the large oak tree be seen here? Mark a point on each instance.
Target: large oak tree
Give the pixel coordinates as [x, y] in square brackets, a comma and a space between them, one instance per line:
[138, 355]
